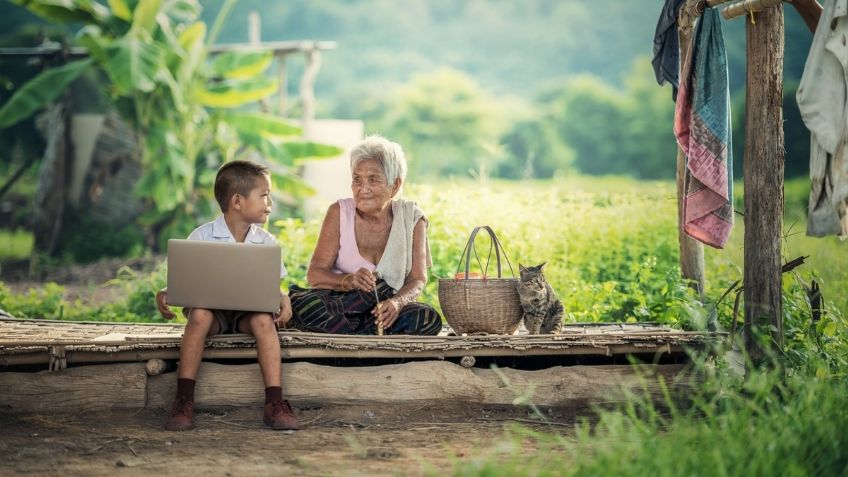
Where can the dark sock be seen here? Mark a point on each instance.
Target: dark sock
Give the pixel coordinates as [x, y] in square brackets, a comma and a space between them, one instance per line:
[185, 389]
[273, 393]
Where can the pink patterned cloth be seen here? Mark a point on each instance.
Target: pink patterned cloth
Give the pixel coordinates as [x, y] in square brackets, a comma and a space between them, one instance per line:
[702, 128]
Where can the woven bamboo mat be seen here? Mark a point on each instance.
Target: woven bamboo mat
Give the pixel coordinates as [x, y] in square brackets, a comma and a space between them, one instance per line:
[24, 335]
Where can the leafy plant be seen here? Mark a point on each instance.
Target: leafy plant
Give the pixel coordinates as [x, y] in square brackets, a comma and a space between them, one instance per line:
[155, 56]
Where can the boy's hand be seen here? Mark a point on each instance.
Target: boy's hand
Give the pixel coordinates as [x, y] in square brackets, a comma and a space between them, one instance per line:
[285, 313]
[162, 304]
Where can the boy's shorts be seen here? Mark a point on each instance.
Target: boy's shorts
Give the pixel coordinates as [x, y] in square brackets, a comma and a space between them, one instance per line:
[228, 320]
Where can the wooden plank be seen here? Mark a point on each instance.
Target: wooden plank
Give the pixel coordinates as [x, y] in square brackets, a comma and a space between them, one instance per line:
[84, 356]
[228, 385]
[763, 173]
[74, 389]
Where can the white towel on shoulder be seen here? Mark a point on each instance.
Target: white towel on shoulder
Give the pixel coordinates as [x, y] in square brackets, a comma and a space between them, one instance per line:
[396, 262]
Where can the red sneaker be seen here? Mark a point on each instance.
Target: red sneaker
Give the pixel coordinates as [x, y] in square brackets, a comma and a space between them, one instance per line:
[182, 416]
[279, 416]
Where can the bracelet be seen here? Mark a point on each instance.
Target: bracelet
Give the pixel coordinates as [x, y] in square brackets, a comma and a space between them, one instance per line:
[345, 277]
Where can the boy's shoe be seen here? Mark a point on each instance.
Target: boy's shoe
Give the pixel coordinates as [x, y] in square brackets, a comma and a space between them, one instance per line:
[279, 416]
[182, 416]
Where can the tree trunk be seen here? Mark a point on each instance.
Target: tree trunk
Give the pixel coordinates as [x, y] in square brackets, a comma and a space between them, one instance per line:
[53, 178]
[763, 173]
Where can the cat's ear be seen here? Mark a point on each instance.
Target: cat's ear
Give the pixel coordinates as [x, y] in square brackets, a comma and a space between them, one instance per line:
[521, 267]
[542, 265]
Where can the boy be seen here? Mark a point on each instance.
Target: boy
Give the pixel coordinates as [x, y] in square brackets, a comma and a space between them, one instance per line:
[243, 191]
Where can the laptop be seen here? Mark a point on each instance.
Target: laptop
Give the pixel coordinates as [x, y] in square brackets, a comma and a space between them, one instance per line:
[224, 275]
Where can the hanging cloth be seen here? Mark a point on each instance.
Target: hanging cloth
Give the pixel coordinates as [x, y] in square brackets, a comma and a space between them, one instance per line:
[821, 99]
[702, 127]
[666, 60]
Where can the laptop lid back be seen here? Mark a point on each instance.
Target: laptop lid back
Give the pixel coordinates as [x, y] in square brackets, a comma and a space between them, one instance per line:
[224, 275]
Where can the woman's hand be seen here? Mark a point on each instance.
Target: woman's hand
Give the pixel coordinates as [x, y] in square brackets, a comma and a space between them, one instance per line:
[386, 312]
[363, 280]
[282, 317]
[162, 304]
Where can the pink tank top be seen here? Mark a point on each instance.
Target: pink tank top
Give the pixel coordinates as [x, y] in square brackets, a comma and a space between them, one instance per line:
[349, 259]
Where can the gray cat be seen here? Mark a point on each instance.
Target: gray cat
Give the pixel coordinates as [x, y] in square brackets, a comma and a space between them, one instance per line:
[542, 308]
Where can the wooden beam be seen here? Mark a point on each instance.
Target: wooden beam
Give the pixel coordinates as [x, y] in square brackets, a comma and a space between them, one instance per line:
[763, 175]
[68, 390]
[306, 383]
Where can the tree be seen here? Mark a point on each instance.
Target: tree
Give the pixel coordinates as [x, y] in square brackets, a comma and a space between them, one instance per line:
[183, 104]
[447, 123]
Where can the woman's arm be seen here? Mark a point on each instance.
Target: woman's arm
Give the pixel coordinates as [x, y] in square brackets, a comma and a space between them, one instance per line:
[320, 274]
[387, 311]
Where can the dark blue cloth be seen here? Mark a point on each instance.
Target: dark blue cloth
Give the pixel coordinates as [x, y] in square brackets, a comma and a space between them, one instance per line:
[667, 46]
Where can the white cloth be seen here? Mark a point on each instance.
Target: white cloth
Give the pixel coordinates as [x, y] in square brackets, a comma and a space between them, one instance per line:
[218, 231]
[396, 262]
[822, 102]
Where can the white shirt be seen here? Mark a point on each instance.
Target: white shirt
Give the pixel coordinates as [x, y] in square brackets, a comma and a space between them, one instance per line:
[824, 108]
[217, 231]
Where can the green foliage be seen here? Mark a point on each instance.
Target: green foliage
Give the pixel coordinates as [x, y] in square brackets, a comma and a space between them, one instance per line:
[611, 255]
[15, 244]
[765, 425]
[154, 55]
[616, 131]
[446, 122]
[88, 239]
[49, 301]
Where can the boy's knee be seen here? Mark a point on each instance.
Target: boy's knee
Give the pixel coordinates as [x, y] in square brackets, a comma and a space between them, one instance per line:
[261, 323]
[200, 316]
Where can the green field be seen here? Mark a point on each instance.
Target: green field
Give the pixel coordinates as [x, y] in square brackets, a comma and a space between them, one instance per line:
[610, 245]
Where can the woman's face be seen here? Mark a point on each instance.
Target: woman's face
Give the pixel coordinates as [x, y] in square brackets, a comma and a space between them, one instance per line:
[371, 191]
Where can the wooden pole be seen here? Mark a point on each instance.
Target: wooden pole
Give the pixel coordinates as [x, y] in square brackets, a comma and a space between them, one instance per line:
[691, 251]
[763, 175]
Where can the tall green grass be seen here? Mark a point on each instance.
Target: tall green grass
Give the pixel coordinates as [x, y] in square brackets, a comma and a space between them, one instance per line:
[768, 425]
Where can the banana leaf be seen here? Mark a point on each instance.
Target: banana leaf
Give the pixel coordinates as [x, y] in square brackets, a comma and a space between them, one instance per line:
[66, 11]
[261, 124]
[39, 91]
[133, 63]
[241, 64]
[235, 93]
[120, 9]
[144, 15]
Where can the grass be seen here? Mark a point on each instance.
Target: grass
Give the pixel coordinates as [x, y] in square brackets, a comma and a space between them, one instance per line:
[767, 425]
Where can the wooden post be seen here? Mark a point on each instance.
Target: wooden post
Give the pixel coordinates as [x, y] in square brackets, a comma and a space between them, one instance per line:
[254, 33]
[307, 91]
[691, 251]
[763, 172]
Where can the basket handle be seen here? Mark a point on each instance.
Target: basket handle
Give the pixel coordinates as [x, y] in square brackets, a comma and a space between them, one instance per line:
[496, 244]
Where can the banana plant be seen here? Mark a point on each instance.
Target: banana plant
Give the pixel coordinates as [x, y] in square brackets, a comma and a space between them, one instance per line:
[188, 108]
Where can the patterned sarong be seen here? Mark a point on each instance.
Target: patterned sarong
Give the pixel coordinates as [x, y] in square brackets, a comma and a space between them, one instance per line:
[328, 311]
[702, 127]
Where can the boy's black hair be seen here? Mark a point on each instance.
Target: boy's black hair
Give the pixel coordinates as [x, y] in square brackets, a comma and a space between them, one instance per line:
[236, 177]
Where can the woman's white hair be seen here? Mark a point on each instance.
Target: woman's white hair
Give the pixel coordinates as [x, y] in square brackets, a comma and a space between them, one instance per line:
[387, 153]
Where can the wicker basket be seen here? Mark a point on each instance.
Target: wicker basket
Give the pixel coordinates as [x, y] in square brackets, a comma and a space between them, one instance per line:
[487, 305]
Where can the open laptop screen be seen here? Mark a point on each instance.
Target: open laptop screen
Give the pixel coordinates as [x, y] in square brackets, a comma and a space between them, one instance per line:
[223, 275]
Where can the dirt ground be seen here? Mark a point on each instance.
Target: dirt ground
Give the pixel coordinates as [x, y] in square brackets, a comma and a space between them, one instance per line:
[349, 440]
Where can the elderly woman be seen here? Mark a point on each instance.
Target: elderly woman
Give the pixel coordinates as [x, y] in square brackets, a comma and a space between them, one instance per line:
[371, 259]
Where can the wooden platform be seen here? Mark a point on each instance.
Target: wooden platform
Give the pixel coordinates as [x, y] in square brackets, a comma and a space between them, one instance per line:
[120, 365]
[59, 343]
